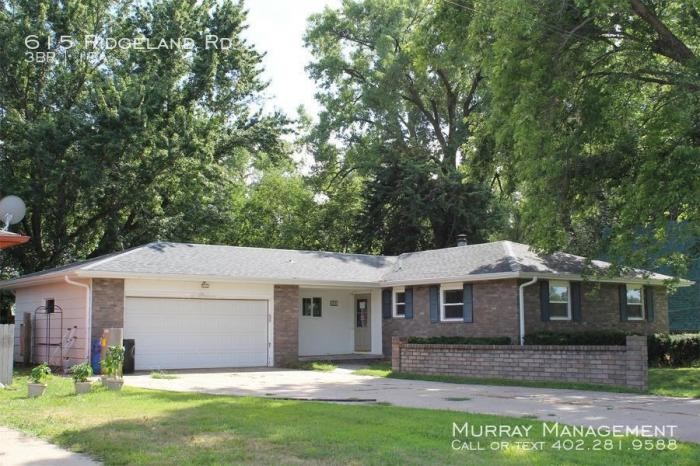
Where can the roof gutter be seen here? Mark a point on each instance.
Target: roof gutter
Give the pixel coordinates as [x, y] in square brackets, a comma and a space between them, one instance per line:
[521, 307]
[91, 273]
[529, 275]
[222, 278]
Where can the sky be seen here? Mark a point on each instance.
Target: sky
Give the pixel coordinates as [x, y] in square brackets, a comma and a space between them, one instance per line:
[277, 28]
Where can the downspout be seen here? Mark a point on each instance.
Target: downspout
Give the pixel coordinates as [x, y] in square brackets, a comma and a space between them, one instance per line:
[88, 309]
[521, 303]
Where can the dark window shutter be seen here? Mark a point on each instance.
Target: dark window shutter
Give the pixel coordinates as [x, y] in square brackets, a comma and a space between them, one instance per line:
[544, 300]
[409, 303]
[575, 301]
[649, 303]
[386, 303]
[468, 303]
[434, 303]
[622, 291]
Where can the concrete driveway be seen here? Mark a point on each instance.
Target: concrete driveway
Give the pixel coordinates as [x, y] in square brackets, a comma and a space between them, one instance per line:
[574, 407]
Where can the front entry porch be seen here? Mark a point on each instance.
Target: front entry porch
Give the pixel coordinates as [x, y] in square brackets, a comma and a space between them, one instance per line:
[340, 324]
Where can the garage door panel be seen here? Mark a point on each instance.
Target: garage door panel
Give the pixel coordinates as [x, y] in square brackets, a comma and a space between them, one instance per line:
[197, 333]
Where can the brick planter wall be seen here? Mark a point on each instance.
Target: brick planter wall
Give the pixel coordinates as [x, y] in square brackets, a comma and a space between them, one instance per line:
[608, 365]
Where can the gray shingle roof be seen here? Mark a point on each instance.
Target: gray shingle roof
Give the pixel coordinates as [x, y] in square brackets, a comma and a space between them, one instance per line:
[246, 263]
[284, 265]
[487, 258]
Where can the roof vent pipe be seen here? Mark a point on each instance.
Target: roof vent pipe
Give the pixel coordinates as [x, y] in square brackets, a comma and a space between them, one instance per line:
[461, 239]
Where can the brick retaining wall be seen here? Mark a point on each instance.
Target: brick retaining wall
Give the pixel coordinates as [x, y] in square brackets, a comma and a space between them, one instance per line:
[608, 365]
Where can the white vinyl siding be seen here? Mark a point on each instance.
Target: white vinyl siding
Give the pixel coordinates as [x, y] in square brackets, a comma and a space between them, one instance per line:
[72, 300]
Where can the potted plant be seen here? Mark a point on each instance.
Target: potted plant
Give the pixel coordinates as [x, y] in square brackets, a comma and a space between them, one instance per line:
[112, 366]
[81, 373]
[38, 376]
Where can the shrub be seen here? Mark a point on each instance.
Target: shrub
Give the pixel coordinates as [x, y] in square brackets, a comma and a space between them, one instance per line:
[460, 340]
[81, 372]
[609, 337]
[113, 361]
[678, 350]
[40, 373]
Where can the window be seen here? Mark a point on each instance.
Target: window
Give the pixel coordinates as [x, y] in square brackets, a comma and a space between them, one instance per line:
[311, 307]
[452, 303]
[635, 306]
[399, 302]
[559, 300]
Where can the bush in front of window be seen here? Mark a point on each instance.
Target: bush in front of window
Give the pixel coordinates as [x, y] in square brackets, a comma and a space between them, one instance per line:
[602, 337]
[664, 350]
[678, 350]
[459, 340]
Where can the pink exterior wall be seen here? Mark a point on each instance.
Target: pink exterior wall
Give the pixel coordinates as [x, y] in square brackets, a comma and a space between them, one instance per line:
[72, 300]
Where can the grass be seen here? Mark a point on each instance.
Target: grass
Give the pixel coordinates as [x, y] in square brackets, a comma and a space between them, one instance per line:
[376, 369]
[322, 366]
[675, 382]
[137, 426]
[683, 382]
[162, 375]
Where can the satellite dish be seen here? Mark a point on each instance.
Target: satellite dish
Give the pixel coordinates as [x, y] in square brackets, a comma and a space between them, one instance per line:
[12, 210]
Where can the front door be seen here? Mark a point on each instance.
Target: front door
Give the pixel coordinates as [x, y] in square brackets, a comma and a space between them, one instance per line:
[363, 341]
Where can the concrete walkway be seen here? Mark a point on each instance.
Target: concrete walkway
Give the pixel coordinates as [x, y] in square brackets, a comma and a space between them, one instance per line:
[18, 449]
[575, 407]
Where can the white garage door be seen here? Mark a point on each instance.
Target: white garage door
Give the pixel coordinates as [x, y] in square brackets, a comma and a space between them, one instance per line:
[196, 333]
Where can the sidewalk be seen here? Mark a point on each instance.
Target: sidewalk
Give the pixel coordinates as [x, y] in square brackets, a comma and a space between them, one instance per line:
[18, 449]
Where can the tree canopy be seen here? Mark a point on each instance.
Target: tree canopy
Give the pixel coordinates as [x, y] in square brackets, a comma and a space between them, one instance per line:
[596, 114]
[402, 97]
[570, 125]
[112, 147]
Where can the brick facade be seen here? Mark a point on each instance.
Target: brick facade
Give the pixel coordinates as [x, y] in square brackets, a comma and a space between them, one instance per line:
[608, 365]
[495, 314]
[600, 310]
[107, 304]
[286, 339]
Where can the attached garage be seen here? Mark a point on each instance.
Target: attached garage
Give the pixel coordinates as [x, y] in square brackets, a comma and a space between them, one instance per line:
[186, 333]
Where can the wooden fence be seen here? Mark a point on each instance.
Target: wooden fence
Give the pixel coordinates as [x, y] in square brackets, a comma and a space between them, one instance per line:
[7, 346]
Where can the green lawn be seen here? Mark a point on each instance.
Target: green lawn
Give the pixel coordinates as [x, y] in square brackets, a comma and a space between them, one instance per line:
[675, 382]
[138, 426]
[668, 382]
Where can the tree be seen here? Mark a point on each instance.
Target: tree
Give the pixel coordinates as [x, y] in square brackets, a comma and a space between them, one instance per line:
[127, 145]
[595, 110]
[279, 212]
[401, 96]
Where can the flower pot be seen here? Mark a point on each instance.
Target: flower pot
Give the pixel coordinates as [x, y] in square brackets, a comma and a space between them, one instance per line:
[35, 389]
[113, 384]
[82, 387]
